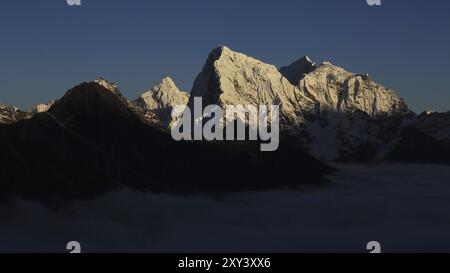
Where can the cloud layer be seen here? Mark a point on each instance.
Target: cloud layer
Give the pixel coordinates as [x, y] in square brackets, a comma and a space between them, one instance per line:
[405, 207]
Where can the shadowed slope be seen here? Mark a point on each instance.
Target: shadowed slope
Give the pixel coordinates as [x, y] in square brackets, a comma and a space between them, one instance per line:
[92, 141]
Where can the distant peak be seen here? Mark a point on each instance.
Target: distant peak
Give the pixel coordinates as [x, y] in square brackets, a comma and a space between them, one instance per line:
[166, 87]
[40, 108]
[9, 107]
[331, 66]
[304, 60]
[308, 59]
[428, 113]
[223, 47]
[222, 51]
[219, 51]
[296, 70]
[167, 84]
[107, 84]
[168, 81]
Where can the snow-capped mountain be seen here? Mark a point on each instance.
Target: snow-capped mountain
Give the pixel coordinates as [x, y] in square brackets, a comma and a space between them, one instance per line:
[158, 102]
[330, 112]
[232, 78]
[337, 90]
[349, 112]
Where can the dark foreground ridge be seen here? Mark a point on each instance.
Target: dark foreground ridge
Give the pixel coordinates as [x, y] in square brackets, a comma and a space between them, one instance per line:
[92, 141]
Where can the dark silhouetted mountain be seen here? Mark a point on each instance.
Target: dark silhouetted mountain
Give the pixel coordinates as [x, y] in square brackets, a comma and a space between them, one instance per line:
[435, 124]
[298, 69]
[415, 146]
[92, 140]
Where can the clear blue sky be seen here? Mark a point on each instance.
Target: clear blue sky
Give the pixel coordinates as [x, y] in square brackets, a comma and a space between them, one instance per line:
[48, 47]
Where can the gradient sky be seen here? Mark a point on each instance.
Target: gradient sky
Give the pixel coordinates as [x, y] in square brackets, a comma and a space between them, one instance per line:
[46, 47]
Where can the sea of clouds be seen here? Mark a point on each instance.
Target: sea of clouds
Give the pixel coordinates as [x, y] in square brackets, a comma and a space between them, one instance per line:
[404, 207]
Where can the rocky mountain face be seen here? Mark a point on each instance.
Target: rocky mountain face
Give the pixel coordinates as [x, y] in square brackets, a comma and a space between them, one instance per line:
[92, 140]
[329, 112]
[158, 102]
[337, 90]
[9, 114]
[349, 112]
[231, 78]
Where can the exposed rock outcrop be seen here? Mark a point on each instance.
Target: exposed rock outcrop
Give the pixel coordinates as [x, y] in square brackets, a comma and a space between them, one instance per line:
[9, 114]
[40, 108]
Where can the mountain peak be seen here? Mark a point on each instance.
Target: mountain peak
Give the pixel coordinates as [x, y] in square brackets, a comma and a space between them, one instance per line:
[223, 48]
[157, 103]
[297, 70]
[222, 52]
[107, 84]
[217, 52]
[110, 86]
[166, 87]
[233, 78]
[98, 100]
[428, 113]
[338, 90]
[167, 84]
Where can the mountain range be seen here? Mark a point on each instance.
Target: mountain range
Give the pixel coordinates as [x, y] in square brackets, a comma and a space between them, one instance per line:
[93, 139]
[329, 112]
